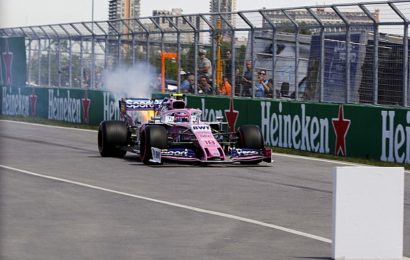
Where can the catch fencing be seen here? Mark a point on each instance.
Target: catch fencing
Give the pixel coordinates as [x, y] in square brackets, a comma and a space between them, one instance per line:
[344, 53]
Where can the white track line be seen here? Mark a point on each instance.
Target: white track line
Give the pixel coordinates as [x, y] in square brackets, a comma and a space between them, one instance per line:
[209, 212]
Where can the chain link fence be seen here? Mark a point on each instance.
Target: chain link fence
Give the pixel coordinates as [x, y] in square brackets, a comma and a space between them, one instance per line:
[346, 53]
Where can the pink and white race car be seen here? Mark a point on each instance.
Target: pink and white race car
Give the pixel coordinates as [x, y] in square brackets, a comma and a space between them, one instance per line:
[173, 132]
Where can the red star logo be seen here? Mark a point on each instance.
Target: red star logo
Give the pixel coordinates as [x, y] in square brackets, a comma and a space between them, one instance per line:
[33, 103]
[8, 61]
[86, 107]
[231, 116]
[1, 74]
[341, 126]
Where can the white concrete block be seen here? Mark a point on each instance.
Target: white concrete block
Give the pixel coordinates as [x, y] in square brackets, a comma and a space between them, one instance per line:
[368, 207]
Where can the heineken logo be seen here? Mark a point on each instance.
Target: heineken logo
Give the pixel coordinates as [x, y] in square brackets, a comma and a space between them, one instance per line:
[209, 115]
[395, 136]
[111, 109]
[297, 130]
[64, 107]
[14, 104]
[302, 131]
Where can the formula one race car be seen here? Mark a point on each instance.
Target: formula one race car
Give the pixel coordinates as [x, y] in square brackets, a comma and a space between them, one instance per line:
[174, 132]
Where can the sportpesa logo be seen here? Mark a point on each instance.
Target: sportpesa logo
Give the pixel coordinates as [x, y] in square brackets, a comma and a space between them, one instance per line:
[178, 152]
[142, 104]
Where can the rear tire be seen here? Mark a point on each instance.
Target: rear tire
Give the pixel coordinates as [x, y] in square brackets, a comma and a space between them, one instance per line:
[152, 136]
[112, 135]
[250, 136]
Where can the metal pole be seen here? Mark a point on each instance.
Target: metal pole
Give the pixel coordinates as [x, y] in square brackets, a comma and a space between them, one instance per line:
[214, 47]
[119, 50]
[297, 46]
[233, 64]
[405, 50]
[59, 62]
[322, 55]
[252, 41]
[133, 48]
[81, 63]
[253, 61]
[39, 62]
[92, 15]
[92, 79]
[106, 52]
[405, 64]
[375, 53]
[376, 65]
[196, 49]
[274, 49]
[70, 67]
[29, 63]
[49, 62]
[322, 64]
[179, 59]
[348, 51]
[147, 56]
[297, 50]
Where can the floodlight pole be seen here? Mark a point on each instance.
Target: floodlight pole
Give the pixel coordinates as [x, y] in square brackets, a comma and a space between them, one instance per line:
[92, 76]
[165, 55]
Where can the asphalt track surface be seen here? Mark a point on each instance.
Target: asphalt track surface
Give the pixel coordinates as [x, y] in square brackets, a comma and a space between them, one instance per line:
[60, 200]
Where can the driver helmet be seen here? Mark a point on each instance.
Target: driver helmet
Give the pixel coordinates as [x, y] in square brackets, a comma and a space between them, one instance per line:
[181, 117]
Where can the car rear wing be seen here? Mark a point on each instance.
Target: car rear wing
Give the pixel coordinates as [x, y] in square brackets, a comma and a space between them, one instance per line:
[139, 104]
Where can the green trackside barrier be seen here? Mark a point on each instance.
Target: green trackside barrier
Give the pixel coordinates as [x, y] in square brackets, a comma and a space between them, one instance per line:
[373, 132]
[72, 105]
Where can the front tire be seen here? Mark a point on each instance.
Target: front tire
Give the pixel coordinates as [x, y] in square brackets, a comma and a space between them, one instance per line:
[250, 136]
[152, 136]
[111, 136]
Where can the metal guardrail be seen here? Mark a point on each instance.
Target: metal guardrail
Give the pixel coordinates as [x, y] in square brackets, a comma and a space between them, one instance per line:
[347, 53]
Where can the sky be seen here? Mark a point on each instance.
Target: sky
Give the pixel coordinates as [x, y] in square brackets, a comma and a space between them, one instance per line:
[16, 13]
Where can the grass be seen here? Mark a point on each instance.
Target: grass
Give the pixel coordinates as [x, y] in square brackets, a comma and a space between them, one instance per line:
[39, 120]
[339, 158]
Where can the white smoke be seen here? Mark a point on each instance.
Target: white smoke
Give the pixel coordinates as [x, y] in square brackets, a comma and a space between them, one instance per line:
[137, 81]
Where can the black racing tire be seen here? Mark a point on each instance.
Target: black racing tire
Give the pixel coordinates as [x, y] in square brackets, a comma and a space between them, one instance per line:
[112, 138]
[250, 136]
[152, 136]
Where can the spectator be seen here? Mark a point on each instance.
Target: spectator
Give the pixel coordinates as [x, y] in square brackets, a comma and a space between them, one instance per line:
[227, 65]
[192, 83]
[247, 80]
[225, 88]
[261, 86]
[204, 65]
[184, 87]
[269, 91]
[284, 90]
[204, 87]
